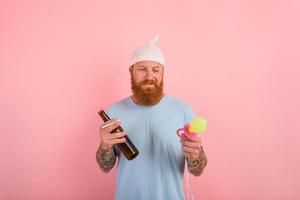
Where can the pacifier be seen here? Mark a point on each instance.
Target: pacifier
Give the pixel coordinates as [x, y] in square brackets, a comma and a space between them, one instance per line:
[191, 130]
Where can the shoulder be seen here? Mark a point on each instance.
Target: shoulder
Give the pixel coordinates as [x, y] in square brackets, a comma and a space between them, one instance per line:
[182, 107]
[116, 106]
[179, 103]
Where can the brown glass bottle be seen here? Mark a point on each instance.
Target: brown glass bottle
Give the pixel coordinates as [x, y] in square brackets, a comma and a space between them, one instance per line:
[127, 147]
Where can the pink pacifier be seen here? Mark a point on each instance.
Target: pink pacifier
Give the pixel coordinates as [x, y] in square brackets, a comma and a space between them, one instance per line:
[186, 133]
[191, 131]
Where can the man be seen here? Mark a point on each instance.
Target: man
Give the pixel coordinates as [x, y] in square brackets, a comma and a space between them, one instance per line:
[150, 118]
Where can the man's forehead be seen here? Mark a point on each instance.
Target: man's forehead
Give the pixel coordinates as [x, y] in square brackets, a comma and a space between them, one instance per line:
[148, 64]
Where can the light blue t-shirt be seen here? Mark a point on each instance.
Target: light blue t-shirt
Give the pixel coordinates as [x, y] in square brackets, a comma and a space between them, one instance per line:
[157, 172]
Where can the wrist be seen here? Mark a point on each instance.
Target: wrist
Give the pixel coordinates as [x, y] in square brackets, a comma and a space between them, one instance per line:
[105, 147]
[193, 162]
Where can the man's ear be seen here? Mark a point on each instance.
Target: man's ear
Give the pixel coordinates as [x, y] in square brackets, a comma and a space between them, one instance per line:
[130, 68]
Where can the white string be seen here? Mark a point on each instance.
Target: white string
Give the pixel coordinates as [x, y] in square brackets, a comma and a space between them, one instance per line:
[188, 191]
[155, 38]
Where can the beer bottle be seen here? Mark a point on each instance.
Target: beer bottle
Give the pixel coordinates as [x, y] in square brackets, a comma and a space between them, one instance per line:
[127, 147]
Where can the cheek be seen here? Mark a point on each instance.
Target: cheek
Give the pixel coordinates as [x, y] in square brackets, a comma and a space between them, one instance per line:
[137, 78]
[160, 78]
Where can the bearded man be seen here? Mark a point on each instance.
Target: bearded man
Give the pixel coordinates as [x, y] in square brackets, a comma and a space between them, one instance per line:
[150, 118]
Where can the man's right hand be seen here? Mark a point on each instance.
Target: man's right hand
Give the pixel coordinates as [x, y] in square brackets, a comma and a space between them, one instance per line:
[108, 139]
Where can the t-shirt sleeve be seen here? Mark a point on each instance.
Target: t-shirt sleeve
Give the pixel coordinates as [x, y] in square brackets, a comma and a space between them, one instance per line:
[109, 112]
[189, 114]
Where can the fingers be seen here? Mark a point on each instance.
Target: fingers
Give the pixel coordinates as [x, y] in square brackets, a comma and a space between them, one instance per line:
[114, 135]
[111, 139]
[115, 141]
[109, 125]
[191, 153]
[191, 143]
[107, 138]
[191, 148]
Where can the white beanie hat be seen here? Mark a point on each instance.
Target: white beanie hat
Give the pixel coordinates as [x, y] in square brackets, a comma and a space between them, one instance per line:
[147, 52]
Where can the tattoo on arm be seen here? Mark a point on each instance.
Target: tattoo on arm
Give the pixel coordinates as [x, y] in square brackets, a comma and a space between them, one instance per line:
[196, 166]
[106, 159]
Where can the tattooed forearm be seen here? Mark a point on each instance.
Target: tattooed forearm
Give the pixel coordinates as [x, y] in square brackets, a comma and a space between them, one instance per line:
[196, 166]
[106, 159]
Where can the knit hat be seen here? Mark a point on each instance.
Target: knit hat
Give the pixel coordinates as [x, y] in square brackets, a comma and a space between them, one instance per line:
[147, 52]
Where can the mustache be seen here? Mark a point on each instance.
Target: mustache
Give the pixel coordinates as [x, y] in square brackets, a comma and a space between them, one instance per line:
[152, 81]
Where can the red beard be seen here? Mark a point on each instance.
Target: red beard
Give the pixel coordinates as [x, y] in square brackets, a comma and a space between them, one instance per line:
[148, 96]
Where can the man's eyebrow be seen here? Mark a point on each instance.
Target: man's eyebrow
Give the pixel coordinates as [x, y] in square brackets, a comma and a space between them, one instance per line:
[157, 66]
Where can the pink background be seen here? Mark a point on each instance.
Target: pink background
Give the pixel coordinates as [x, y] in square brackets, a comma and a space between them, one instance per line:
[237, 62]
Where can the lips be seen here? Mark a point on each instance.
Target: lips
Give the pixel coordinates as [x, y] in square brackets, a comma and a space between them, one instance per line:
[149, 82]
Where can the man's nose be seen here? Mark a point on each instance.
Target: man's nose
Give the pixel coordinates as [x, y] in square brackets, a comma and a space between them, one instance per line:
[149, 75]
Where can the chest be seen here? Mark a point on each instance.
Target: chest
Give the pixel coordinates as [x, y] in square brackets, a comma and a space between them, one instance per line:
[154, 132]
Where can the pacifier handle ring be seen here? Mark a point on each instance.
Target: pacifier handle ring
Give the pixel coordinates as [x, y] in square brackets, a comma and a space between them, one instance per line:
[177, 132]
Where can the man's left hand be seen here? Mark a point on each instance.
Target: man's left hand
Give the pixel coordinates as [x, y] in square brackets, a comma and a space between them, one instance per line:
[191, 148]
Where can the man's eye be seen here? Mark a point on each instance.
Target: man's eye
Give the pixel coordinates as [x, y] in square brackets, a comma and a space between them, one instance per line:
[155, 70]
[142, 69]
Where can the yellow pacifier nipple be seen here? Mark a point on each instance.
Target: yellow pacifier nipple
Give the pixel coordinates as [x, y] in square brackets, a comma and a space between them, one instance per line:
[197, 125]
